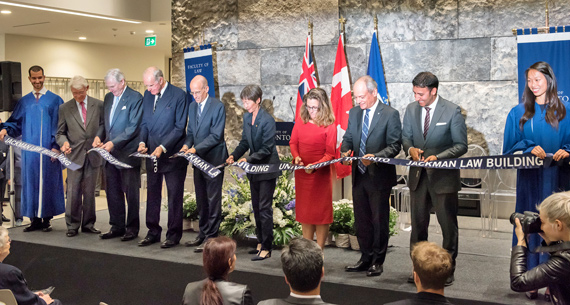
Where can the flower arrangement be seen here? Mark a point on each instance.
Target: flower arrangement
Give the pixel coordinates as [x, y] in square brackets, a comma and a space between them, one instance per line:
[189, 206]
[343, 218]
[237, 210]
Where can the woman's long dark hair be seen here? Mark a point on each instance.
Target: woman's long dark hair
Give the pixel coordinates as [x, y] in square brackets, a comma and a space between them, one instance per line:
[217, 252]
[555, 111]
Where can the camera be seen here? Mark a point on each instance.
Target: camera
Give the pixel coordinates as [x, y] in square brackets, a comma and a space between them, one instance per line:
[530, 221]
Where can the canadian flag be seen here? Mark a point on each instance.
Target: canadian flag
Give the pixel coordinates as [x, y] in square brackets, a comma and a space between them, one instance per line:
[341, 101]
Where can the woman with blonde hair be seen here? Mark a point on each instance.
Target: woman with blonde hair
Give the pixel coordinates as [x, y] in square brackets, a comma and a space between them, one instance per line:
[313, 141]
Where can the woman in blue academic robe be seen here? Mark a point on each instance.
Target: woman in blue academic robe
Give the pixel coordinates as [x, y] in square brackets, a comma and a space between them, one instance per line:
[538, 125]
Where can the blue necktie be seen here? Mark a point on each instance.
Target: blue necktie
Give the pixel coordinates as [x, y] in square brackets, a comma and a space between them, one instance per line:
[363, 138]
[115, 103]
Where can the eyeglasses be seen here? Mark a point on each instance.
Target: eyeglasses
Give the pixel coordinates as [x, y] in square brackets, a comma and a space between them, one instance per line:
[309, 108]
[197, 92]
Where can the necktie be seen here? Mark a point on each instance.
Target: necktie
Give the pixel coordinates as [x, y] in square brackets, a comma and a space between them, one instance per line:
[37, 96]
[199, 112]
[84, 113]
[363, 138]
[115, 102]
[426, 121]
[156, 102]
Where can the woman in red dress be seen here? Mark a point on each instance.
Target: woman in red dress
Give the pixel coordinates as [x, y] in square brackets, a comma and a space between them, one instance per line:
[313, 141]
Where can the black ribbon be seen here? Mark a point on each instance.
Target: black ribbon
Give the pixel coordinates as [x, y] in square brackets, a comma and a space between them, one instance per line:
[107, 156]
[41, 150]
[151, 157]
[199, 163]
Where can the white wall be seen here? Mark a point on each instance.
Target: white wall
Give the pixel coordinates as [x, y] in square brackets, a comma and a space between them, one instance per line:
[61, 58]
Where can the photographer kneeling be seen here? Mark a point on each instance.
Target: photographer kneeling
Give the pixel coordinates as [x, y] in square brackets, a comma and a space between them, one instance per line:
[554, 228]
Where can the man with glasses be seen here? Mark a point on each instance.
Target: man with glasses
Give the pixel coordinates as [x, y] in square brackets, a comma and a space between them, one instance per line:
[205, 138]
[80, 119]
[165, 112]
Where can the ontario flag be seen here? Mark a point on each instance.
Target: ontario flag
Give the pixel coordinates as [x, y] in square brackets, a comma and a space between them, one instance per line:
[308, 79]
[341, 101]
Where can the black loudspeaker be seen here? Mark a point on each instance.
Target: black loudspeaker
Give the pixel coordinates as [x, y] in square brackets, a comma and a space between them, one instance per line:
[10, 84]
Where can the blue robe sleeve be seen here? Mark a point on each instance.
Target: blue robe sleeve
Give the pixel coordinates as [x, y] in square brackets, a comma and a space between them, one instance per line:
[513, 137]
[14, 123]
[54, 114]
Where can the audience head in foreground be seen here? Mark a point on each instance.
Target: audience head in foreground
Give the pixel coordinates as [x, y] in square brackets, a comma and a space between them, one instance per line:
[219, 260]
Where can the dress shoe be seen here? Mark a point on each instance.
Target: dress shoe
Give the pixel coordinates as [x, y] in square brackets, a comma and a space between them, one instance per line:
[200, 249]
[450, 280]
[531, 295]
[111, 234]
[129, 236]
[71, 233]
[360, 266]
[375, 270]
[47, 229]
[411, 279]
[258, 257]
[168, 244]
[196, 242]
[254, 251]
[149, 240]
[4, 219]
[90, 230]
[32, 228]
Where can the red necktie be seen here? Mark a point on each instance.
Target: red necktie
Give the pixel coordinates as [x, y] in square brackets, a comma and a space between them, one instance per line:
[37, 96]
[426, 122]
[84, 114]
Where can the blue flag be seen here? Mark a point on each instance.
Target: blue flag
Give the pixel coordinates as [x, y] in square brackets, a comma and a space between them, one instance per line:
[376, 70]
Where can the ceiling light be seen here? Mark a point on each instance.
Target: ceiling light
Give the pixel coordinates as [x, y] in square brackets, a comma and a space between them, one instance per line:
[5, 12]
[149, 31]
[82, 38]
[67, 12]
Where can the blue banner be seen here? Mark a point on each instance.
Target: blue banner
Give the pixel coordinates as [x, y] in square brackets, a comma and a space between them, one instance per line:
[553, 48]
[199, 62]
[376, 70]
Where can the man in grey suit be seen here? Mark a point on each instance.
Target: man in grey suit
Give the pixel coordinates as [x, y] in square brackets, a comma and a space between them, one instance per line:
[205, 138]
[123, 116]
[434, 129]
[80, 119]
[302, 263]
[374, 130]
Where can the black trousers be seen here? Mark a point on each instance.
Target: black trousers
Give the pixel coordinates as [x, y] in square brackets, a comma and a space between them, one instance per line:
[262, 202]
[445, 205]
[175, 190]
[123, 183]
[209, 203]
[371, 218]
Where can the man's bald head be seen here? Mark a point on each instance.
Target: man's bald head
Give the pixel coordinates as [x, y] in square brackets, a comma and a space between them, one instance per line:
[199, 88]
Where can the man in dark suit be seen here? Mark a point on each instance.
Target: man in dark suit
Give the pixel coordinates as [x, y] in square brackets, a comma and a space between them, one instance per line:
[432, 268]
[165, 112]
[13, 279]
[302, 262]
[373, 130]
[123, 116]
[434, 129]
[80, 120]
[205, 138]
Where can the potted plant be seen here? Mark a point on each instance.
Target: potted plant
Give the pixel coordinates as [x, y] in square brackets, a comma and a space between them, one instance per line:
[343, 222]
[190, 211]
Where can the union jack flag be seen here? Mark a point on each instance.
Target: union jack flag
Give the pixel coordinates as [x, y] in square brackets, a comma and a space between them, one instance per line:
[308, 79]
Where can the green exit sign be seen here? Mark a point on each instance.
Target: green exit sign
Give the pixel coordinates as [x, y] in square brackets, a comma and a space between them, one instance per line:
[150, 41]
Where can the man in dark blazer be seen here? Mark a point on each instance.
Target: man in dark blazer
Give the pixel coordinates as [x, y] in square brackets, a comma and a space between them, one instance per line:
[374, 130]
[123, 116]
[434, 129]
[302, 262]
[80, 120]
[165, 112]
[205, 138]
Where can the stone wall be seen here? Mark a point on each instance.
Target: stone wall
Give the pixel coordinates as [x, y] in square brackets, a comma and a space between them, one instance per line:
[468, 44]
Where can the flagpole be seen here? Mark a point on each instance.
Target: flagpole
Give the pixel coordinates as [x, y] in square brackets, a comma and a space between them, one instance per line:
[376, 25]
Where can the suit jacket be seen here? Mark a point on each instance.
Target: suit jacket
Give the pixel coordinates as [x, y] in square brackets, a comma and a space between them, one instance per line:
[165, 126]
[125, 128]
[423, 298]
[384, 140]
[261, 144]
[70, 129]
[207, 136]
[293, 300]
[232, 293]
[446, 139]
[13, 279]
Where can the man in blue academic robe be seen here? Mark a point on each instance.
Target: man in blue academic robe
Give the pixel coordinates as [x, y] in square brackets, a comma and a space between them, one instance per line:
[35, 118]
